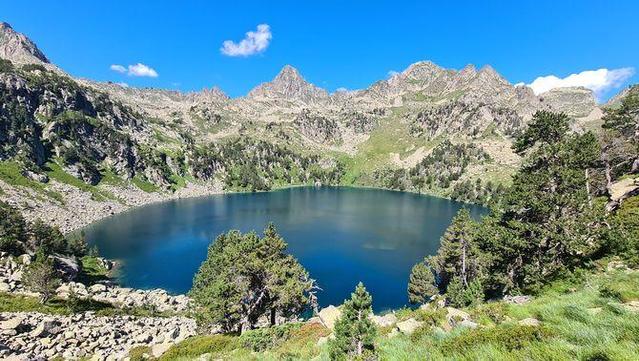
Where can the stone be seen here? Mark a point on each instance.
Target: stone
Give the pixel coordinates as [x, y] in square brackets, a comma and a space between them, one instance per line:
[517, 300]
[455, 316]
[329, 315]
[25, 259]
[632, 306]
[5, 287]
[409, 326]
[15, 323]
[529, 322]
[97, 288]
[45, 328]
[384, 321]
[468, 324]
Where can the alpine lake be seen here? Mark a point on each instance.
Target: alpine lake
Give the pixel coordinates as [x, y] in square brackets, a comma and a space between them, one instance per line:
[341, 235]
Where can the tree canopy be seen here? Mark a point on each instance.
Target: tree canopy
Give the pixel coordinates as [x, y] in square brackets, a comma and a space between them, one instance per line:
[246, 277]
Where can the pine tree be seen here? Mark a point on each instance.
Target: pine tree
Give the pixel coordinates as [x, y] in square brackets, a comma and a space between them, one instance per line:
[246, 277]
[354, 331]
[421, 283]
[458, 256]
[41, 276]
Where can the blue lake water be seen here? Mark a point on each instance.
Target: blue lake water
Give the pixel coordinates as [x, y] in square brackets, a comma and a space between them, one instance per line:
[341, 235]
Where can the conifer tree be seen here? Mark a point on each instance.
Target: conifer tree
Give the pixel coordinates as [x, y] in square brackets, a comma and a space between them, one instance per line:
[354, 331]
[421, 283]
[246, 277]
[41, 276]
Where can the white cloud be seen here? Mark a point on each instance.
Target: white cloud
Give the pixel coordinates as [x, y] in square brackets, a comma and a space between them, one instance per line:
[124, 85]
[392, 73]
[138, 69]
[118, 68]
[599, 81]
[254, 42]
[341, 90]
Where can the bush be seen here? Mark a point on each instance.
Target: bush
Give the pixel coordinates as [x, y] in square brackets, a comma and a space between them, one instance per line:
[460, 296]
[199, 345]
[264, 338]
[510, 337]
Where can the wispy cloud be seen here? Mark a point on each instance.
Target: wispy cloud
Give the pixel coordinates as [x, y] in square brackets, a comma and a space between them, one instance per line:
[255, 42]
[392, 73]
[138, 69]
[599, 81]
[118, 68]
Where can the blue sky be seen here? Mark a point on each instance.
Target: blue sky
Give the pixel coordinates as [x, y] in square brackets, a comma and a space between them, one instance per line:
[334, 44]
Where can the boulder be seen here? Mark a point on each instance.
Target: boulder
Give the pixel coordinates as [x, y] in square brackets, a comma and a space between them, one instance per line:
[517, 300]
[384, 321]
[15, 323]
[97, 288]
[529, 322]
[468, 324]
[409, 326]
[329, 316]
[46, 328]
[455, 317]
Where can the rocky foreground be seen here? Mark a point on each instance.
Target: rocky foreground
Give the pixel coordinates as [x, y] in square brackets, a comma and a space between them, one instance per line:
[36, 336]
[32, 335]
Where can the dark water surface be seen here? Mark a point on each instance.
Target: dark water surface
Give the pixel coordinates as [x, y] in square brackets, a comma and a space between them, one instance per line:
[341, 236]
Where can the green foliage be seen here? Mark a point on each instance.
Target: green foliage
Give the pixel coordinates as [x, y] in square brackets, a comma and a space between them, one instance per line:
[41, 277]
[354, 331]
[459, 263]
[139, 353]
[421, 284]
[509, 337]
[245, 277]
[11, 173]
[265, 338]
[13, 229]
[144, 185]
[6, 66]
[47, 239]
[198, 345]
[463, 296]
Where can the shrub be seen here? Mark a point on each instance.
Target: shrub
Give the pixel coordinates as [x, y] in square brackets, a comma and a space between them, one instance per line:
[264, 338]
[460, 296]
[199, 345]
[510, 337]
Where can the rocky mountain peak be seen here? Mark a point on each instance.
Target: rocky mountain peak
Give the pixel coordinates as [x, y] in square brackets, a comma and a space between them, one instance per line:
[289, 85]
[18, 48]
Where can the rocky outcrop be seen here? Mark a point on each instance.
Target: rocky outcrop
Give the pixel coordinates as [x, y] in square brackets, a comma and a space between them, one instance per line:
[317, 128]
[289, 85]
[18, 48]
[574, 101]
[30, 335]
[12, 268]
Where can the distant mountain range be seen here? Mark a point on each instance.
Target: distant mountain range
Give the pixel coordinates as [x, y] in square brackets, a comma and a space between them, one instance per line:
[124, 143]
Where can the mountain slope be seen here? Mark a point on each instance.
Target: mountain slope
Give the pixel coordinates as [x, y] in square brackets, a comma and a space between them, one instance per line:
[122, 142]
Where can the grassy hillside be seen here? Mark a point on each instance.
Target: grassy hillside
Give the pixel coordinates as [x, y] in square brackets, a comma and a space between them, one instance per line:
[592, 315]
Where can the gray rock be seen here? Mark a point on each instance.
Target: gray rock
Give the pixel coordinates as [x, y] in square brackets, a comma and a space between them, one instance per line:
[409, 326]
[530, 322]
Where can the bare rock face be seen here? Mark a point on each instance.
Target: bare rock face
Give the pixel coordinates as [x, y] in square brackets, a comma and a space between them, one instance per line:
[18, 48]
[317, 127]
[289, 85]
[574, 101]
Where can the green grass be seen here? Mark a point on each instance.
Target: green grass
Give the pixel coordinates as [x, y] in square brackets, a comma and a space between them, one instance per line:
[56, 172]
[582, 318]
[111, 178]
[92, 271]
[11, 173]
[144, 185]
[57, 306]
